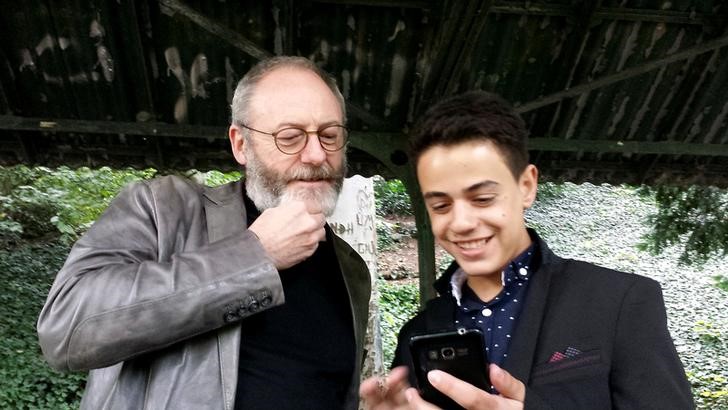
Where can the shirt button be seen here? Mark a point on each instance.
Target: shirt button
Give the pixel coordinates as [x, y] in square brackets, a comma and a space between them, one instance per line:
[523, 271]
[487, 312]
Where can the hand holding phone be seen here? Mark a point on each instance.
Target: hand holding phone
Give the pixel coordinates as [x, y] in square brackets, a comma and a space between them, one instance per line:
[460, 353]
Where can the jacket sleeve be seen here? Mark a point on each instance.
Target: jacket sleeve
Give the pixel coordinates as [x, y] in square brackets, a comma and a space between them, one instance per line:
[646, 371]
[116, 298]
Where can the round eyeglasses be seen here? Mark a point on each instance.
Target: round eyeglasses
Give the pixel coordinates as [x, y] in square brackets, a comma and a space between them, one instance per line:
[292, 140]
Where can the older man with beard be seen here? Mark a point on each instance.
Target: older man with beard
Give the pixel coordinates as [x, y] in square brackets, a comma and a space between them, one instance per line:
[237, 297]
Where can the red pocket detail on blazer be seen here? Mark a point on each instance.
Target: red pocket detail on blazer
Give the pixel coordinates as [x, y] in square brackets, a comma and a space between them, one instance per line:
[582, 359]
[569, 352]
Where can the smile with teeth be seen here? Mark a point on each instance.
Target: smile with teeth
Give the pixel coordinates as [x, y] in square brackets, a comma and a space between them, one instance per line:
[472, 244]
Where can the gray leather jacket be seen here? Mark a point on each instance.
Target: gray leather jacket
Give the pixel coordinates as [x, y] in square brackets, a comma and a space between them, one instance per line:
[151, 297]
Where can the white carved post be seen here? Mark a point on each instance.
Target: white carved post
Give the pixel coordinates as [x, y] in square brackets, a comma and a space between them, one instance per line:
[354, 220]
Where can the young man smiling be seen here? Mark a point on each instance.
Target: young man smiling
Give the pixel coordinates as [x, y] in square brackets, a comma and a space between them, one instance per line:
[559, 333]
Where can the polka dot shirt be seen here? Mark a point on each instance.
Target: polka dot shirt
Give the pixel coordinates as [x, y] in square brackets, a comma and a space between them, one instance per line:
[496, 318]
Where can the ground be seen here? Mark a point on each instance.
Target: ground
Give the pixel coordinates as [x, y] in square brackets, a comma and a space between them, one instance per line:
[399, 261]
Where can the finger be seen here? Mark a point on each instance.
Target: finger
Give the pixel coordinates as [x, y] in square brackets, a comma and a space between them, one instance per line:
[376, 390]
[397, 379]
[369, 389]
[465, 394]
[507, 385]
[313, 208]
[416, 402]
[320, 235]
[395, 386]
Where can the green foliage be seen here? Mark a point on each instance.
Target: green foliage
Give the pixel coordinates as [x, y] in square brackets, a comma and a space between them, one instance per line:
[551, 191]
[443, 263]
[35, 202]
[694, 218]
[707, 332]
[27, 382]
[710, 390]
[385, 235]
[398, 302]
[391, 198]
[721, 281]
[213, 178]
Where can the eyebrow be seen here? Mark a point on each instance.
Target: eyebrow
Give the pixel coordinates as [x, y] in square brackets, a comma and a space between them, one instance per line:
[298, 125]
[479, 185]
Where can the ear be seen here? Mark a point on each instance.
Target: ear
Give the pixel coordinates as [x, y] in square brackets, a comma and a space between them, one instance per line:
[528, 184]
[237, 142]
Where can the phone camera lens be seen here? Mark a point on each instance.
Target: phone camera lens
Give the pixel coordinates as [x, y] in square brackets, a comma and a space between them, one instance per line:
[447, 353]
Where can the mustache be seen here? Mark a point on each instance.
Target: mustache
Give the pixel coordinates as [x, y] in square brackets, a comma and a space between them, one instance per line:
[311, 173]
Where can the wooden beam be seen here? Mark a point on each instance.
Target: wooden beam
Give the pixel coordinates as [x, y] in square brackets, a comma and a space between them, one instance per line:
[9, 122]
[441, 56]
[4, 103]
[573, 52]
[624, 75]
[462, 55]
[610, 13]
[712, 172]
[139, 66]
[533, 9]
[388, 148]
[656, 16]
[231, 37]
[409, 4]
[627, 147]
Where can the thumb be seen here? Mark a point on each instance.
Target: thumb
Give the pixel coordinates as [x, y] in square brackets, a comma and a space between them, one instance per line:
[507, 385]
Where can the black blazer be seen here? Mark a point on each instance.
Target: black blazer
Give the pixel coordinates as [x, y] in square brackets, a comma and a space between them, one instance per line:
[616, 320]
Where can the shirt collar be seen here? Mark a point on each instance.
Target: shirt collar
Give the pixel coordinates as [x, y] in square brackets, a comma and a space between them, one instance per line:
[518, 270]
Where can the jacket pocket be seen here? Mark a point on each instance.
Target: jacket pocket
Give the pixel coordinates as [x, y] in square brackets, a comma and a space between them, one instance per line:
[586, 364]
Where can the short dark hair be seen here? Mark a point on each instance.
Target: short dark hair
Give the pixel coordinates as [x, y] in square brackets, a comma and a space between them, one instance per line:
[473, 116]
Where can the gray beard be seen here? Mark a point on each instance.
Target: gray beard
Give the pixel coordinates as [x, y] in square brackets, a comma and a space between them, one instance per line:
[268, 189]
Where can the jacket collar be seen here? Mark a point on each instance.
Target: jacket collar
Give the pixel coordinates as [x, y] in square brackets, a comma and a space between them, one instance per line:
[224, 210]
[523, 346]
[545, 256]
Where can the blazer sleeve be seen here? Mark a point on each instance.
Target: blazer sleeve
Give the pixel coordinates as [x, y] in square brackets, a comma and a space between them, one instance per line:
[115, 298]
[646, 371]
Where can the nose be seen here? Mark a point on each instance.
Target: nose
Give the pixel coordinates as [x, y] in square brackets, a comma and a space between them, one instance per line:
[313, 153]
[463, 218]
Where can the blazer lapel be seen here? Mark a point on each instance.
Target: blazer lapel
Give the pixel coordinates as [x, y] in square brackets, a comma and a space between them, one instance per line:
[356, 278]
[358, 286]
[525, 338]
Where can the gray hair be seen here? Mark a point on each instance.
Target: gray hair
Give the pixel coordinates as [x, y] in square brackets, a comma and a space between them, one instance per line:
[246, 86]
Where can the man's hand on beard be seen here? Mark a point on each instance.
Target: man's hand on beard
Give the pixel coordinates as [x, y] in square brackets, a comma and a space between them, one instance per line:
[289, 232]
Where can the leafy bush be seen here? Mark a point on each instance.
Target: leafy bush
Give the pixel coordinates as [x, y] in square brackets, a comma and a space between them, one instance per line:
[551, 191]
[213, 178]
[27, 382]
[31, 209]
[710, 390]
[721, 282]
[41, 201]
[391, 197]
[385, 235]
[398, 302]
[694, 218]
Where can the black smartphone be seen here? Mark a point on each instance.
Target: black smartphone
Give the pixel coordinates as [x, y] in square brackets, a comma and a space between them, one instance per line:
[460, 353]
